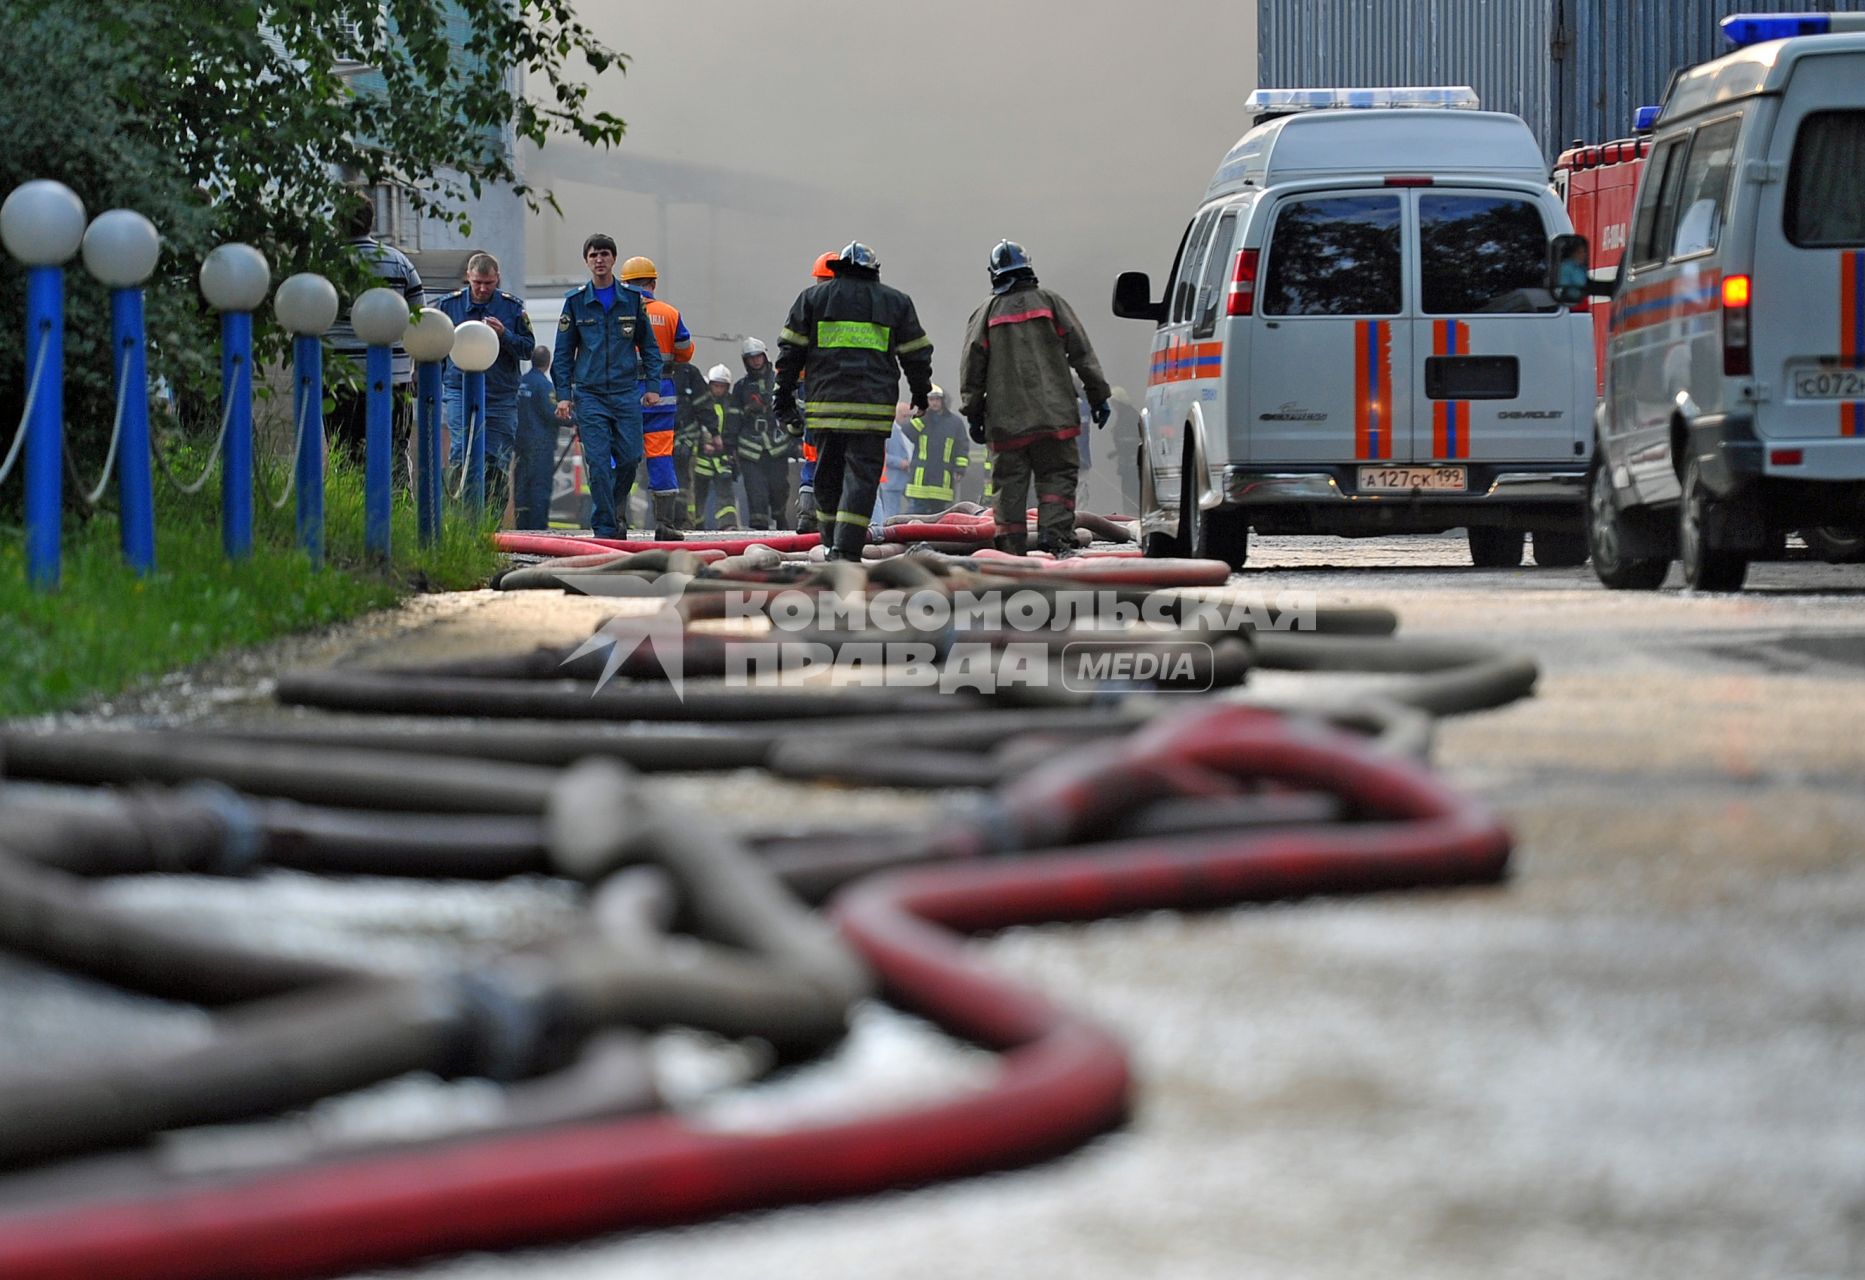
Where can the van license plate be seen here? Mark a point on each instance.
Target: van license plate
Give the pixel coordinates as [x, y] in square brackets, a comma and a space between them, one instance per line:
[1406, 479]
[1829, 384]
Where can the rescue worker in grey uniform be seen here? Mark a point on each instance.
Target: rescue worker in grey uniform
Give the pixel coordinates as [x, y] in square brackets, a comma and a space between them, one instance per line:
[1016, 393]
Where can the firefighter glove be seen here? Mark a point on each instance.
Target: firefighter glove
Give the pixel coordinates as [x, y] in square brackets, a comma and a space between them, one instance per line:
[1101, 412]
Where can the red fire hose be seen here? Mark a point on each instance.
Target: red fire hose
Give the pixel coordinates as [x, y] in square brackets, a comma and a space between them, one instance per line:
[540, 544]
[1062, 1079]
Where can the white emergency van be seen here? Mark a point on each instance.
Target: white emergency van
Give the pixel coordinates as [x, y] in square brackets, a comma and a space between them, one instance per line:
[1734, 402]
[1357, 337]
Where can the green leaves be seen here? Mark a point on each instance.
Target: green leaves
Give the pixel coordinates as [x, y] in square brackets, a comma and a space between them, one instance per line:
[249, 121]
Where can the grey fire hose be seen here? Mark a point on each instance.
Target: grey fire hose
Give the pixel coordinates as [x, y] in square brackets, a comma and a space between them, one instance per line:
[765, 967]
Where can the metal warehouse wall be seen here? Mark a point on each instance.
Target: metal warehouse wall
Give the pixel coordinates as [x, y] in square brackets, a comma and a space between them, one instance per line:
[1571, 68]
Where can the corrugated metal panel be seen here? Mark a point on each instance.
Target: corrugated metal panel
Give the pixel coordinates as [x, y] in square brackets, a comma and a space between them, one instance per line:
[1624, 51]
[1571, 68]
[1497, 47]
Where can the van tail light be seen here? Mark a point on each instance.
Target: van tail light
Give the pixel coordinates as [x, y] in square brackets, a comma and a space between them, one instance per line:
[1242, 300]
[1737, 361]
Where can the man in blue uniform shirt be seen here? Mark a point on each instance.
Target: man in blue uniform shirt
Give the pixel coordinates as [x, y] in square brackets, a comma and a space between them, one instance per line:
[605, 354]
[482, 299]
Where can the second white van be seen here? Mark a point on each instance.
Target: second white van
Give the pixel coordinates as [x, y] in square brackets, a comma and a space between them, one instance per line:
[1357, 337]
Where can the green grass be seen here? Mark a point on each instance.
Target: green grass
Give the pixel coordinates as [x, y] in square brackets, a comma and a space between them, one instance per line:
[103, 628]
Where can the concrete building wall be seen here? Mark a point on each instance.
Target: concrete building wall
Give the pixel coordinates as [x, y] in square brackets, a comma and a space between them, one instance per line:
[760, 136]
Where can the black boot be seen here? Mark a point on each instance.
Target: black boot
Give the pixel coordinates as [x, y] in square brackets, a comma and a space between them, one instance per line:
[806, 510]
[667, 519]
[1017, 544]
[848, 541]
[1056, 547]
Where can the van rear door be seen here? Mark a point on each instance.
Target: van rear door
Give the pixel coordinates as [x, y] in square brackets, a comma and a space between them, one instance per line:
[1499, 361]
[1330, 341]
[1807, 317]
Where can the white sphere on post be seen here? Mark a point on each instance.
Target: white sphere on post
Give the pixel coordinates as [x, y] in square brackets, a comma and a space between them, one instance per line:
[306, 304]
[380, 317]
[235, 277]
[430, 336]
[475, 346]
[121, 248]
[42, 223]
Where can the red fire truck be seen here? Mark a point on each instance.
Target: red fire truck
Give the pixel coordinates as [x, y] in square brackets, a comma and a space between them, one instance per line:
[1597, 184]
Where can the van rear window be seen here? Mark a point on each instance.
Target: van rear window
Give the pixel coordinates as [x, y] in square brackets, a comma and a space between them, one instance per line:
[1335, 256]
[1481, 254]
[1826, 182]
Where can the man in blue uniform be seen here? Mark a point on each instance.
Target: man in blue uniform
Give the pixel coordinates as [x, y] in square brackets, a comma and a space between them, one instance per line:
[605, 354]
[535, 464]
[482, 299]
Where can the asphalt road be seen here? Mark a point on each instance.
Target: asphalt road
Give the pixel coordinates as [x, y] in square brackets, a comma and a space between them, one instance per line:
[1639, 1057]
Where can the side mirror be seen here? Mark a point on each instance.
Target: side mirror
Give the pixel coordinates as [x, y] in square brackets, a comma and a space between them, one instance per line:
[1133, 298]
[1569, 269]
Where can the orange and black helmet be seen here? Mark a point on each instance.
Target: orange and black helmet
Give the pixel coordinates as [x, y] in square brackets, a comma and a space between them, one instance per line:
[821, 270]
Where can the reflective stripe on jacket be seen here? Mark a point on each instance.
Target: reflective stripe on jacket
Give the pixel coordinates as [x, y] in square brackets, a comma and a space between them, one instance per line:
[941, 453]
[1019, 349]
[854, 337]
[724, 428]
[760, 435]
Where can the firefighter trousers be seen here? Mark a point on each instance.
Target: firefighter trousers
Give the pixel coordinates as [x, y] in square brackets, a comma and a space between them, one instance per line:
[767, 490]
[848, 478]
[1055, 466]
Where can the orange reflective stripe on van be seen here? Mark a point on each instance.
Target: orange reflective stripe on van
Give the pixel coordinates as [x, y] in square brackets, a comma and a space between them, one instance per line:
[1450, 419]
[1852, 335]
[1181, 361]
[1372, 388]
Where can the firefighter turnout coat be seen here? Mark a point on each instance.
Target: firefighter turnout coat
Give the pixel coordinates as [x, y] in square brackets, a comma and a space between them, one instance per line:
[853, 336]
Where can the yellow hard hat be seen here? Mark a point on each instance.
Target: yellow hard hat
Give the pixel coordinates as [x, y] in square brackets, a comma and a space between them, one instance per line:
[639, 268]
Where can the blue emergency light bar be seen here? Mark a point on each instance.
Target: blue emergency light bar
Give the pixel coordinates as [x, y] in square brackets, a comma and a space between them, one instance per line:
[1743, 29]
[1279, 101]
[1645, 119]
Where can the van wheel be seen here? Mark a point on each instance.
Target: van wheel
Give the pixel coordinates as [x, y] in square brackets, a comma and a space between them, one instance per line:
[1705, 567]
[1153, 544]
[1835, 545]
[1607, 544]
[1192, 543]
[1559, 550]
[1495, 548]
[1227, 536]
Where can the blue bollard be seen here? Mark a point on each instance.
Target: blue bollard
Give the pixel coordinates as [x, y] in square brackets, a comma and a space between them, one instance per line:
[473, 387]
[378, 450]
[45, 432]
[236, 459]
[428, 485]
[307, 405]
[135, 484]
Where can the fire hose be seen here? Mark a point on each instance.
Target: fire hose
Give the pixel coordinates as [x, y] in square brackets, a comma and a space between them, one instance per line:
[1071, 804]
[1061, 1080]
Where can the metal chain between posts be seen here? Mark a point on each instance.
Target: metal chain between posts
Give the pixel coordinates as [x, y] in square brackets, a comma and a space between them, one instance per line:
[32, 395]
[93, 496]
[226, 416]
[291, 469]
[472, 429]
